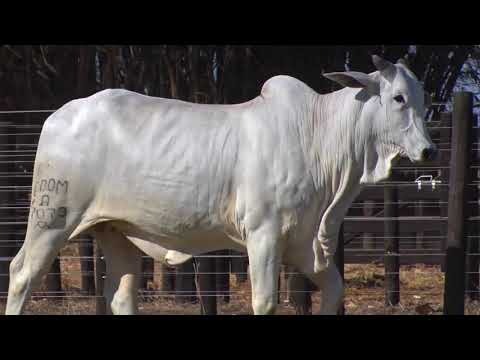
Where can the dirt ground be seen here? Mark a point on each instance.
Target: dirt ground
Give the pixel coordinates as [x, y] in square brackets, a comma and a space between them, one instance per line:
[421, 289]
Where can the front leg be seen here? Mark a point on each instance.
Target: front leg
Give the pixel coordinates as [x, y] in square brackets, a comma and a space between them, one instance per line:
[330, 284]
[264, 253]
[326, 242]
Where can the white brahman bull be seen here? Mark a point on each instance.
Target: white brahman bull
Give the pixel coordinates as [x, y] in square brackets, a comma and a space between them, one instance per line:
[274, 176]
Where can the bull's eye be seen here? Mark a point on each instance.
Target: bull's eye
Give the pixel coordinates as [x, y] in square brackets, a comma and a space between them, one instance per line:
[399, 99]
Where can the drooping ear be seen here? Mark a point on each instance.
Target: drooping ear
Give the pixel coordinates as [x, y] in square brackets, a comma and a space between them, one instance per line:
[386, 68]
[355, 79]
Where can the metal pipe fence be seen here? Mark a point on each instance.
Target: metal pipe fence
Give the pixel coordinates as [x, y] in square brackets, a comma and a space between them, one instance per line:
[363, 247]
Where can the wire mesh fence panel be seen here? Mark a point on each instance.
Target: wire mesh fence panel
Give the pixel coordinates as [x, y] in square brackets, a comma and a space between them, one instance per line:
[420, 217]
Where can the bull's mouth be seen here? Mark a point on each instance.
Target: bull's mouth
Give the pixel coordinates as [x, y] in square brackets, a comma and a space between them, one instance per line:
[399, 152]
[403, 153]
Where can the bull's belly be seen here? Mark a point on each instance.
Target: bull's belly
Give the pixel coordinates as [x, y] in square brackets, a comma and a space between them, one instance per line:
[194, 241]
[173, 219]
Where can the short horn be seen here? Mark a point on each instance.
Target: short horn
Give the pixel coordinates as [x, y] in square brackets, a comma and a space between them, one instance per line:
[386, 68]
[380, 63]
[404, 62]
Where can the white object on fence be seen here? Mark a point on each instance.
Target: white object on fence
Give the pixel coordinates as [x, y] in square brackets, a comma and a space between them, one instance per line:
[430, 180]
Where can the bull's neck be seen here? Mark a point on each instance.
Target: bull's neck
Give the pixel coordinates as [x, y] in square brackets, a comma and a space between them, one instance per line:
[335, 144]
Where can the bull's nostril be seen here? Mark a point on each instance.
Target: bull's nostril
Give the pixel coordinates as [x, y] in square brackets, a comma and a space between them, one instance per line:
[429, 153]
[425, 154]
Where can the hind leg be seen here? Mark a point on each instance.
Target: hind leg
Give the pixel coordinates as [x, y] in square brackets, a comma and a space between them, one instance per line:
[31, 263]
[15, 266]
[331, 287]
[123, 265]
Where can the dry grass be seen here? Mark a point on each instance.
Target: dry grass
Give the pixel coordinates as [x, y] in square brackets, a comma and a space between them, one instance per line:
[421, 290]
[421, 293]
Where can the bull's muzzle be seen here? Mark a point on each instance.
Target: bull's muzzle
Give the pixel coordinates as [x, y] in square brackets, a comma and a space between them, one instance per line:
[429, 153]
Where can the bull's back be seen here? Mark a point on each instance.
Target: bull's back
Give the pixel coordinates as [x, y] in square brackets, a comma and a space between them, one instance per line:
[154, 162]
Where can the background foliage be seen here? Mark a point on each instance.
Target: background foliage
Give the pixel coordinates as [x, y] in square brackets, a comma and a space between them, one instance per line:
[47, 76]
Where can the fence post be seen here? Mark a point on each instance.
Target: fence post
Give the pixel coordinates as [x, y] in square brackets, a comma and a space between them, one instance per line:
[340, 263]
[239, 266]
[472, 263]
[392, 259]
[445, 137]
[222, 264]
[185, 289]
[167, 286]
[473, 278]
[87, 268]
[100, 269]
[206, 284]
[148, 269]
[419, 236]
[279, 286]
[6, 198]
[54, 279]
[368, 238]
[462, 122]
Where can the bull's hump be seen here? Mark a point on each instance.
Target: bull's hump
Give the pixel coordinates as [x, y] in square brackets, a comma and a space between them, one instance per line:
[283, 85]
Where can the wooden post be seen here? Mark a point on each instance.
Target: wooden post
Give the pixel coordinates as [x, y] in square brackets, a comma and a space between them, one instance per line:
[239, 266]
[6, 198]
[185, 289]
[472, 263]
[368, 238]
[100, 269]
[340, 262]
[286, 277]
[87, 266]
[392, 260]
[279, 287]
[445, 137]
[222, 264]
[147, 272]
[86, 253]
[419, 236]
[206, 284]
[54, 279]
[167, 279]
[454, 295]
[472, 266]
